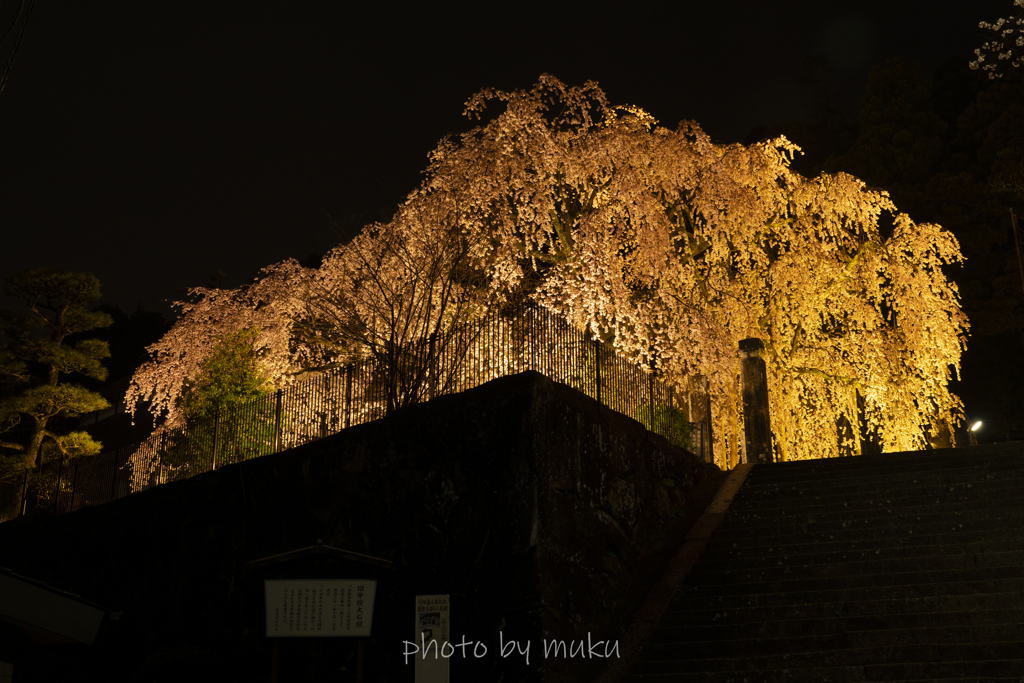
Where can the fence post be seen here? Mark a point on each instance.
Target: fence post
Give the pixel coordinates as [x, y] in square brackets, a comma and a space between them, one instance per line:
[56, 484]
[650, 384]
[597, 365]
[324, 403]
[160, 462]
[348, 395]
[74, 481]
[533, 329]
[216, 437]
[672, 415]
[277, 422]
[432, 367]
[706, 433]
[756, 420]
[113, 478]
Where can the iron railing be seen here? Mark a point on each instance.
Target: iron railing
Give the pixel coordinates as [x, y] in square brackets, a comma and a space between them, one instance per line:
[498, 345]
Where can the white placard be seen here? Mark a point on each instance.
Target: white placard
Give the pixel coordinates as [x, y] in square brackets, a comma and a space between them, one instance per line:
[432, 637]
[315, 608]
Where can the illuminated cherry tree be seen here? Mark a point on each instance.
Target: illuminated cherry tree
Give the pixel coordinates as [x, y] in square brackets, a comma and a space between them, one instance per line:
[270, 306]
[659, 241]
[675, 248]
[400, 293]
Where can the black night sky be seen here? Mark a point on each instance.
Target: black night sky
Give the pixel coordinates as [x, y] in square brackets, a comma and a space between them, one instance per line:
[155, 144]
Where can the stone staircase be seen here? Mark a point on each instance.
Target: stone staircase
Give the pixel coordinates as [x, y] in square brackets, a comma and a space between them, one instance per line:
[893, 567]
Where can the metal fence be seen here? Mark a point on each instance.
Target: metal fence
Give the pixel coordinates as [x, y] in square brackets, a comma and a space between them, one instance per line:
[498, 345]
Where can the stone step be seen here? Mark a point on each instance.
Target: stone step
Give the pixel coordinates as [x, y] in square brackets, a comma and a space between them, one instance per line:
[875, 488]
[726, 559]
[887, 513]
[855, 540]
[893, 652]
[992, 494]
[920, 459]
[859, 528]
[908, 579]
[785, 568]
[677, 630]
[993, 671]
[681, 614]
[734, 599]
[672, 643]
[965, 451]
[785, 474]
[879, 480]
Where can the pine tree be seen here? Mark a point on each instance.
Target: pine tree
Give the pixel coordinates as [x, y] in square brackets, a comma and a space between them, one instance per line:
[34, 355]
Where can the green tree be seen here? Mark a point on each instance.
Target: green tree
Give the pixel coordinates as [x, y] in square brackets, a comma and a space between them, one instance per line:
[230, 377]
[222, 409]
[35, 353]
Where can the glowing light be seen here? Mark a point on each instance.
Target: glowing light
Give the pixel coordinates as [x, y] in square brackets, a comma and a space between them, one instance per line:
[975, 426]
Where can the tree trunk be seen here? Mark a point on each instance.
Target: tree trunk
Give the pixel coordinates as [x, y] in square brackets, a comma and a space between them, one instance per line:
[757, 426]
[34, 452]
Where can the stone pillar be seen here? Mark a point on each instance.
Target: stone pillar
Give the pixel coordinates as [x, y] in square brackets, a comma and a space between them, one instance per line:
[757, 426]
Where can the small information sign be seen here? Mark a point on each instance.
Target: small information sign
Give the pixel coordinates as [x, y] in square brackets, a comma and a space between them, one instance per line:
[314, 608]
[432, 637]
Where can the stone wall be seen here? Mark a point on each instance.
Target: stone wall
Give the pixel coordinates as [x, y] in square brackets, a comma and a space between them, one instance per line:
[541, 513]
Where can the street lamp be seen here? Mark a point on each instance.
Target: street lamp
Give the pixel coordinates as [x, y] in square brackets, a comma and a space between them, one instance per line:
[970, 433]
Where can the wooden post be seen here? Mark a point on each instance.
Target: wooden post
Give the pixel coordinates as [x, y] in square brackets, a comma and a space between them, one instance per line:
[359, 662]
[597, 365]
[275, 658]
[757, 427]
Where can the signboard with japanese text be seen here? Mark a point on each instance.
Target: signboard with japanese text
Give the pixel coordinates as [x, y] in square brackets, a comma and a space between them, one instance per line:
[433, 633]
[315, 608]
